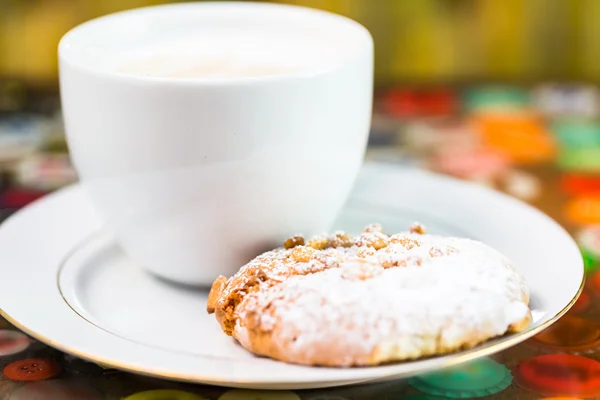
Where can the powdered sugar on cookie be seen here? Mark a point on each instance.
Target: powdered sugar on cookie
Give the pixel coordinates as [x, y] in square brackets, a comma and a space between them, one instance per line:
[372, 299]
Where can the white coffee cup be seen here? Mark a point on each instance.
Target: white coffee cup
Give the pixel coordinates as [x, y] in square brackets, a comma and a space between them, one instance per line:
[196, 176]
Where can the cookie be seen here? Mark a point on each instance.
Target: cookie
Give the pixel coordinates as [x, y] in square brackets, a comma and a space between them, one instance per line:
[343, 301]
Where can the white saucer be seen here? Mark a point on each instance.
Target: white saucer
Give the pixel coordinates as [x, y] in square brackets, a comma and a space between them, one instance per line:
[66, 282]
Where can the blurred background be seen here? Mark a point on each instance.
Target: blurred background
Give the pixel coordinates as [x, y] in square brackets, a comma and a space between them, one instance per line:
[417, 41]
[499, 92]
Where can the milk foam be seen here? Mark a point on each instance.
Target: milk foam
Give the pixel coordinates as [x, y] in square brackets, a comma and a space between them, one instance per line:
[226, 54]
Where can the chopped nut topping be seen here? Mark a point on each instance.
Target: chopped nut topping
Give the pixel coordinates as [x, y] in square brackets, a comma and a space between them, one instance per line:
[373, 228]
[417, 228]
[319, 242]
[341, 239]
[294, 241]
[377, 240]
[302, 253]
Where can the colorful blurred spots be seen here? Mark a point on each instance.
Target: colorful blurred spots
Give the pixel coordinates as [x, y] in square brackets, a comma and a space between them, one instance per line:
[559, 375]
[164, 395]
[570, 334]
[479, 378]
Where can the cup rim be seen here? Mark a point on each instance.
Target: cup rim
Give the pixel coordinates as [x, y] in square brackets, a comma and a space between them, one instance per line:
[67, 56]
